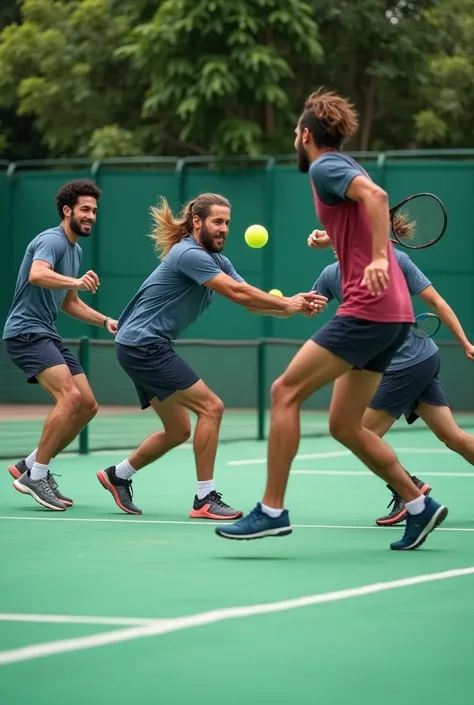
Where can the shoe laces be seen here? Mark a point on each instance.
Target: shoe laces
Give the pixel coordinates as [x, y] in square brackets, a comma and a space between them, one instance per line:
[395, 499]
[217, 498]
[52, 481]
[46, 487]
[127, 486]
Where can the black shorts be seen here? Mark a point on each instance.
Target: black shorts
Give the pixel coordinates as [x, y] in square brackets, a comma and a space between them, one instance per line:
[35, 352]
[155, 369]
[401, 391]
[363, 344]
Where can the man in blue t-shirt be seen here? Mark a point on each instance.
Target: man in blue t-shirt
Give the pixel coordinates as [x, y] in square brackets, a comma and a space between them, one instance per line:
[47, 283]
[179, 290]
[410, 385]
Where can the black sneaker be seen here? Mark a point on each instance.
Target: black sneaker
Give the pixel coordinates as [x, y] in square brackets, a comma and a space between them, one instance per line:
[212, 507]
[399, 512]
[121, 490]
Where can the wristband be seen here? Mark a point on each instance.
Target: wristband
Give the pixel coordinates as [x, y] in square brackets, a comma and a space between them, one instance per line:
[107, 318]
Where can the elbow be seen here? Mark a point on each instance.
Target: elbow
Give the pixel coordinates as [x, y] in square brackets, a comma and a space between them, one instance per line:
[34, 278]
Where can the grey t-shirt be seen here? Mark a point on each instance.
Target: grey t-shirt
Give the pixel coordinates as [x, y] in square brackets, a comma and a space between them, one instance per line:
[173, 297]
[414, 349]
[35, 309]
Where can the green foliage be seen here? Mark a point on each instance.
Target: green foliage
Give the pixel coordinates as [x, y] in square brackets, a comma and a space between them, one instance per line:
[104, 78]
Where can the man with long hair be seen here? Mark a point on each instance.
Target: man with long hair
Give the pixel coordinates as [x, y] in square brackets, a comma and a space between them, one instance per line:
[179, 290]
[47, 282]
[410, 385]
[356, 346]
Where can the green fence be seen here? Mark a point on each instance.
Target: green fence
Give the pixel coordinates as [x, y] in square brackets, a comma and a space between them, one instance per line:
[239, 372]
[269, 190]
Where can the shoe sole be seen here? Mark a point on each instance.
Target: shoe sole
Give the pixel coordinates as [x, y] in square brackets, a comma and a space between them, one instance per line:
[270, 533]
[401, 516]
[107, 485]
[438, 517]
[204, 514]
[16, 474]
[27, 490]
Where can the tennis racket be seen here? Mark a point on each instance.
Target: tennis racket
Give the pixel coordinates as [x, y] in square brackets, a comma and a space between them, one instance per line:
[419, 221]
[426, 325]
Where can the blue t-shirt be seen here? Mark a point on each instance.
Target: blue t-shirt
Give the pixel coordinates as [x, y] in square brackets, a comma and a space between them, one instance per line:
[34, 308]
[414, 349]
[173, 297]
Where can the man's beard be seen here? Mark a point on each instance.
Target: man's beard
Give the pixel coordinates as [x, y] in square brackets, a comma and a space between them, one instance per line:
[76, 227]
[302, 158]
[209, 242]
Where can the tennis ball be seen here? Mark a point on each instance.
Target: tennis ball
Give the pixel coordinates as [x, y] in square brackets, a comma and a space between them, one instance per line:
[256, 236]
[275, 292]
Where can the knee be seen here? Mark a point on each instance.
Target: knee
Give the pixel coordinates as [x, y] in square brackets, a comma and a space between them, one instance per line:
[280, 392]
[179, 434]
[340, 431]
[451, 440]
[90, 407]
[69, 397]
[215, 407]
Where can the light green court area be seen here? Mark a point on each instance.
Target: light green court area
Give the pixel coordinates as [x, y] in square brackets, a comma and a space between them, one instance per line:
[101, 608]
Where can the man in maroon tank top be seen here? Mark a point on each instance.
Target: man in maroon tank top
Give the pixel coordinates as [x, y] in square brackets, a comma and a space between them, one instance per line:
[356, 346]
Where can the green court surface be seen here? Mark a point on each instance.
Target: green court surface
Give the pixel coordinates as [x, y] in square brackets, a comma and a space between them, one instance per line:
[100, 607]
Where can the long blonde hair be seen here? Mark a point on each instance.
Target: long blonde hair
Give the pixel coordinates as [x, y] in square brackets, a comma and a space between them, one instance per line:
[168, 230]
[404, 229]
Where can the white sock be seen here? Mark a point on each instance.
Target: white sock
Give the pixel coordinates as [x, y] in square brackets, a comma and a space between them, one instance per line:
[204, 488]
[38, 471]
[416, 506]
[31, 459]
[124, 470]
[273, 513]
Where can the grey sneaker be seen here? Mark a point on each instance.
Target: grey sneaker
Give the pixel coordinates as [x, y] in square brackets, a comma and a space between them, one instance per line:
[54, 486]
[40, 490]
[121, 490]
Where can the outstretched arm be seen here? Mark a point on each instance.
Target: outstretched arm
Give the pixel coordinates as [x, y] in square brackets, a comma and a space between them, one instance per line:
[73, 306]
[449, 318]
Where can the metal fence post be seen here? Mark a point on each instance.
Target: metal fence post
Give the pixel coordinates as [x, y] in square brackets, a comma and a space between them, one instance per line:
[261, 387]
[84, 359]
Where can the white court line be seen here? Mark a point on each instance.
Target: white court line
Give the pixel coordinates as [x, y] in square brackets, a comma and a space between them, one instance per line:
[75, 619]
[367, 473]
[165, 626]
[208, 523]
[340, 454]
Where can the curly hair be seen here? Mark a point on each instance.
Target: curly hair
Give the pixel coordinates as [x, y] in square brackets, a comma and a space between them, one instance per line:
[330, 118]
[169, 230]
[70, 192]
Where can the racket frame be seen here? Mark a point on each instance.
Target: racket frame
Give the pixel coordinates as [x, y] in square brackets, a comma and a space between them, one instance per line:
[422, 317]
[403, 243]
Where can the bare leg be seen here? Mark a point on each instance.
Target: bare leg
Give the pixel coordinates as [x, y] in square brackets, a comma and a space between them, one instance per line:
[311, 368]
[378, 421]
[352, 393]
[84, 413]
[441, 421]
[59, 383]
[176, 430]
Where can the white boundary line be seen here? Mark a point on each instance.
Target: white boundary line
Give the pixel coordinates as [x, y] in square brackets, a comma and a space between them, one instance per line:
[213, 523]
[367, 473]
[75, 619]
[340, 454]
[26, 653]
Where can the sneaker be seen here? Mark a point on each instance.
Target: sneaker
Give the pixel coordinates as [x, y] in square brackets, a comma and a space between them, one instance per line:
[399, 512]
[40, 490]
[420, 525]
[17, 470]
[121, 490]
[212, 507]
[54, 486]
[256, 525]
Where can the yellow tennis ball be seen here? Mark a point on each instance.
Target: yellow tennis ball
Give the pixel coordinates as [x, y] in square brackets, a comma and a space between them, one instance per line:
[256, 236]
[275, 292]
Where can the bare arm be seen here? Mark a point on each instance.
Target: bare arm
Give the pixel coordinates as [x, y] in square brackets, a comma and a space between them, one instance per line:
[74, 307]
[252, 298]
[42, 274]
[375, 200]
[449, 318]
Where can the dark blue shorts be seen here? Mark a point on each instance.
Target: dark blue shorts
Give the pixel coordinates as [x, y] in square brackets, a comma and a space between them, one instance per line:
[156, 370]
[35, 352]
[363, 344]
[401, 391]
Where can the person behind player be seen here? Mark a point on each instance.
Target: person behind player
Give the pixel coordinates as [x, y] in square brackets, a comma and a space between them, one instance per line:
[410, 385]
[48, 282]
[172, 298]
[356, 346]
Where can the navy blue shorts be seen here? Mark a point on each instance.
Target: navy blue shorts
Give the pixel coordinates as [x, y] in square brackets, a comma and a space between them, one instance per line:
[401, 391]
[363, 344]
[35, 352]
[155, 369]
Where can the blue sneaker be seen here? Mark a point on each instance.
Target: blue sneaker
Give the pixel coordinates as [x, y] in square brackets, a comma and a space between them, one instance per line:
[420, 525]
[256, 525]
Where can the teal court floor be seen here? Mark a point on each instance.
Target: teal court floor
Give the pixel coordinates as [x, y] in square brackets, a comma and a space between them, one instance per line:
[100, 607]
